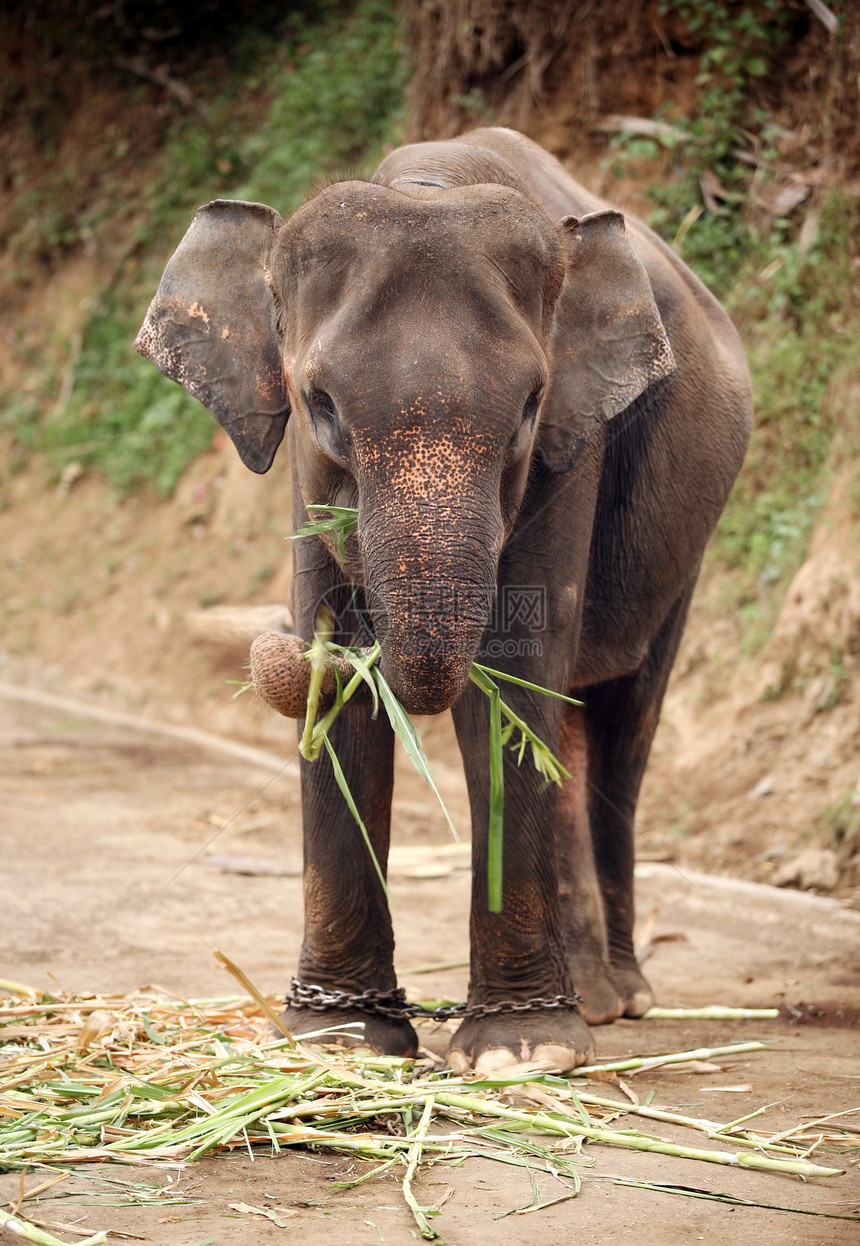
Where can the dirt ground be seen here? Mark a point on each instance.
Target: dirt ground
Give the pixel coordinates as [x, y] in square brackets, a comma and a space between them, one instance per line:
[129, 851]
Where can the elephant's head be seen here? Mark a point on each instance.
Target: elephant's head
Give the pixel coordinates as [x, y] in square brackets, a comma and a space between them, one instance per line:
[428, 344]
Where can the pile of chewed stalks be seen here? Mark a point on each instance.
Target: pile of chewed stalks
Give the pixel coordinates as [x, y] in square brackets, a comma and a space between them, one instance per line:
[281, 671]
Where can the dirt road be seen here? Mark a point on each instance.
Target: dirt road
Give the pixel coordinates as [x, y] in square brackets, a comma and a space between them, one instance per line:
[129, 851]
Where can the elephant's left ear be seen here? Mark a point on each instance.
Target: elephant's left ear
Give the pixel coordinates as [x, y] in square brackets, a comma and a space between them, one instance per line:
[211, 325]
[607, 344]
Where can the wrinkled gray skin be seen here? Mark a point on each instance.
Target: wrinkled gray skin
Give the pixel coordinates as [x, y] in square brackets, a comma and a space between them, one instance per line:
[539, 412]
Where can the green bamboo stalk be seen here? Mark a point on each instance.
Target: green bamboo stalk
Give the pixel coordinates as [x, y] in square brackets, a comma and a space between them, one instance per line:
[713, 1129]
[732, 1126]
[331, 1107]
[347, 693]
[713, 1012]
[30, 1233]
[318, 660]
[366, 1176]
[676, 1057]
[495, 832]
[413, 1160]
[636, 1142]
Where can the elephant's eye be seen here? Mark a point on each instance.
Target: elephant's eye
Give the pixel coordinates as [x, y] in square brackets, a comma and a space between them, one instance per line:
[328, 431]
[530, 409]
[323, 404]
[522, 437]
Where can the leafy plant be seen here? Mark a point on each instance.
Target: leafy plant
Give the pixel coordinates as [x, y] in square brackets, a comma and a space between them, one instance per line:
[799, 330]
[787, 281]
[339, 520]
[515, 734]
[737, 40]
[840, 822]
[327, 97]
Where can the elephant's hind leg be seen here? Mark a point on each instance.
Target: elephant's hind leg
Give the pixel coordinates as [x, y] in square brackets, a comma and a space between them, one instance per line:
[621, 717]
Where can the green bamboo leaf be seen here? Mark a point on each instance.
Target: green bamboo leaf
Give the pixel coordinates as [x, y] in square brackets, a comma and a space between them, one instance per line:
[344, 517]
[732, 1199]
[340, 777]
[341, 519]
[341, 522]
[361, 664]
[524, 683]
[404, 729]
[495, 836]
[546, 763]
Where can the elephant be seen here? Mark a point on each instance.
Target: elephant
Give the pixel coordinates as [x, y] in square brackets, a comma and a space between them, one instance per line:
[539, 412]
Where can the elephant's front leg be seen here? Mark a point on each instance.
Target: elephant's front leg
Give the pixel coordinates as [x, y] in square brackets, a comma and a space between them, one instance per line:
[517, 954]
[349, 942]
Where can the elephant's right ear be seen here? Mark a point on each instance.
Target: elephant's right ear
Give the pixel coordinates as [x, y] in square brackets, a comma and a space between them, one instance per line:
[211, 326]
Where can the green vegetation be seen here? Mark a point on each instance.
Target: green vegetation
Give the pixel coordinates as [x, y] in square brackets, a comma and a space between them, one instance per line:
[735, 42]
[258, 1088]
[515, 734]
[785, 270]
[839, 823]
[796, 305]
[316, 98]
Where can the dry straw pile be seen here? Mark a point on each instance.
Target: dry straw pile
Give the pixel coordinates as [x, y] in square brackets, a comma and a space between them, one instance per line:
[139, 1080]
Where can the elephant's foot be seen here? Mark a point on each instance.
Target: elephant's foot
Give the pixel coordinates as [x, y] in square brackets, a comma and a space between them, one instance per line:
[636, 994]
[388, 1036]
[601, 1001]
[609, 988]
[557, 1039]
[591, 973]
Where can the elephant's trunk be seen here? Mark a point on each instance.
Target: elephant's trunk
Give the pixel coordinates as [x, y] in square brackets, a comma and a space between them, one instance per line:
[430, 584]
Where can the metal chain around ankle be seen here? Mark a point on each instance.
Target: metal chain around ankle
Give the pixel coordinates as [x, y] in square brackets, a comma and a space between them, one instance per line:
[394, 1003]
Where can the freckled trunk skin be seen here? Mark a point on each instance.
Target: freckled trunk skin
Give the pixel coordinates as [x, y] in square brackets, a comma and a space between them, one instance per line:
[430, 589]
[426, 656]
[430, 536]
